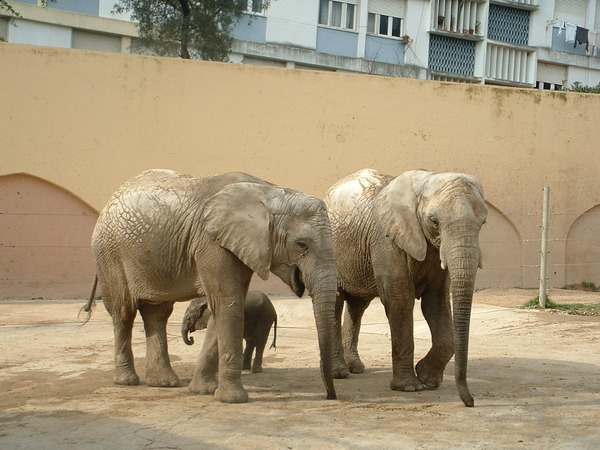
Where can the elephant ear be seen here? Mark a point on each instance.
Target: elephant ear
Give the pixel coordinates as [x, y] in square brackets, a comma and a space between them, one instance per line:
[395, 210]
[239, 221]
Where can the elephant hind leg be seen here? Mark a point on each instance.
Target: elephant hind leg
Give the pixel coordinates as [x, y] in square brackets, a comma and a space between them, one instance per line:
[355, 309]
[122, 325]
[250, 346]
[340, 369]
[158, 365]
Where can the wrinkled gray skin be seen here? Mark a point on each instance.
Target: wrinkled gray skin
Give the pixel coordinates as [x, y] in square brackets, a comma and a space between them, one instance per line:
[259, 317]
[412, 236]
[165, 237]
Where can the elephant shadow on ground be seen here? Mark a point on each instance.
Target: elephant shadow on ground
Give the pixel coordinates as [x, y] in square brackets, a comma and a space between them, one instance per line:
[544, 381]
[541, 380]
[494, 381]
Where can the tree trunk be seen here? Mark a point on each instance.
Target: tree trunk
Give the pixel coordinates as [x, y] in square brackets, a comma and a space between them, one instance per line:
[186, 12]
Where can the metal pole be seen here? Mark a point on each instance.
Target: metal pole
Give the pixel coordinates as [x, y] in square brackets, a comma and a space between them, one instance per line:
[544, 251]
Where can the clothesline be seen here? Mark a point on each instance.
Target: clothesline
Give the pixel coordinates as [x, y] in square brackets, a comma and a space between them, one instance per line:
[579, 35]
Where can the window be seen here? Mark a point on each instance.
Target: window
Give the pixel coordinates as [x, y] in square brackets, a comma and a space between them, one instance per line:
[384, 25]
[252, 6]
[337, 14]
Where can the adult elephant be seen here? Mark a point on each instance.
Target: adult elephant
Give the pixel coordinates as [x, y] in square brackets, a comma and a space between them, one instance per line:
[401, 238]
[165, 237]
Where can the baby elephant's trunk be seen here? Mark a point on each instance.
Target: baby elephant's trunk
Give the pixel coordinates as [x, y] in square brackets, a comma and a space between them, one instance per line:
[192, 315]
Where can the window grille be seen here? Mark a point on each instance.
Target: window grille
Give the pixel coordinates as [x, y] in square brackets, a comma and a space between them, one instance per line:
[3, 29]
[451, 55]
[508, 25]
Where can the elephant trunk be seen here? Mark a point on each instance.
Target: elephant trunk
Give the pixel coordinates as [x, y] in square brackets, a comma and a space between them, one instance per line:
[462, 260]
[322, 286]
[184, 333]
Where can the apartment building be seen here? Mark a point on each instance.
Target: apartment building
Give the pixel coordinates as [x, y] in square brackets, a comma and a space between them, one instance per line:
[548, 44]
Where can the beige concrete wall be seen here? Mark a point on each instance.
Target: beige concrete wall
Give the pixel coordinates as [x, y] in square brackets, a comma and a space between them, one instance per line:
[87, 121]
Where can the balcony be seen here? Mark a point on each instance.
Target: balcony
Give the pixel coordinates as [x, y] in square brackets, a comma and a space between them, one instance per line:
[510, 65]
[460, 17]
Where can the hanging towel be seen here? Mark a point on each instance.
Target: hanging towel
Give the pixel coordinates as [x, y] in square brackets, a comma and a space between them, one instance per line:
[593, 39]
[581, 37]
[571, 30]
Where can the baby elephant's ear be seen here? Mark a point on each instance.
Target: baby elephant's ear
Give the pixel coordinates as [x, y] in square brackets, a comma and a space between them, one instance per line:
[236, 218]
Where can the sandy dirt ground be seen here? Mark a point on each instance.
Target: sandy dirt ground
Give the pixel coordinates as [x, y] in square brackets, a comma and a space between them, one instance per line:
[535, 376]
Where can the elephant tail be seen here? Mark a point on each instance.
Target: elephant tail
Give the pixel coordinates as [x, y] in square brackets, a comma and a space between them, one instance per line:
[273, 345]
[91, 303]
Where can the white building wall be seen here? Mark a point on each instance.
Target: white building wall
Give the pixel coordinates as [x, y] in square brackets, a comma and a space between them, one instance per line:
[293, 23]
[583, 75]
[543, 20]
[37, 33]
[417, 28]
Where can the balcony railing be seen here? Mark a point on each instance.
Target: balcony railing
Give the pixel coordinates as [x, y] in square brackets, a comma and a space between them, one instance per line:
[458, 16]
[510, 64]
[526, 4]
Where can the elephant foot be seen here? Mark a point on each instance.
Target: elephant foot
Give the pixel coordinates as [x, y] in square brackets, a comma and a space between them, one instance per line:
[430, 375]
[406, 383]
[126, 377]
[340, 370]
[356, 366]
[257, 369]
[163, 377]
[201, 387]
[231, 393]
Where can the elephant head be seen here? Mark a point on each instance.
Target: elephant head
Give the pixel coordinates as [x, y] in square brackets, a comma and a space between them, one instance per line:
[272, 229]
[195, 318]
[446, 210]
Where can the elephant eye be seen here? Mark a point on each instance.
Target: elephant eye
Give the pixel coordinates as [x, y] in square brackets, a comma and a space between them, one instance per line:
[434, 221]
[303, 247]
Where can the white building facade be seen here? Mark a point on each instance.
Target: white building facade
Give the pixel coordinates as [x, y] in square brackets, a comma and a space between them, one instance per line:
[547, 44]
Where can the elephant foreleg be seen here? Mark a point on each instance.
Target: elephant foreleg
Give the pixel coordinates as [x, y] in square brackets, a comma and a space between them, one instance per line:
[399, 304]
[355, 308]
[437, 312]
[204, 380]
[158, 365]
[230, 326]
[124, 365]
[222, 351]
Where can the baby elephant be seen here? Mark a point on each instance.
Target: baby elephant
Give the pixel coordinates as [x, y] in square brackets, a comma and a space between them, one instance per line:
[259, 315]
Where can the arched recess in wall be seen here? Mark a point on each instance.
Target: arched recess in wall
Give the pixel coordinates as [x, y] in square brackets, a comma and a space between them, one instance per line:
[582, 256]
[45, 235]
[500, 243]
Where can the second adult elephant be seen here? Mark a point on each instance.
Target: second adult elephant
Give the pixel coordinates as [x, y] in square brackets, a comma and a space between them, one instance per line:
[259, 317]
[401, 238]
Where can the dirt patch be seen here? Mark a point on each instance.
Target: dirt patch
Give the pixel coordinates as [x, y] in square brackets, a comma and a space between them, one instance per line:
[534, 376]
